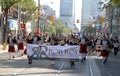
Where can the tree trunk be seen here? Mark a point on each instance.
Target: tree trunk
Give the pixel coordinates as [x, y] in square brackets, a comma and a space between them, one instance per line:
[5, 33]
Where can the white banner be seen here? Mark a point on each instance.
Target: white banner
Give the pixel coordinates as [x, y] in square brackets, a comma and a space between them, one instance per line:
[49, 51]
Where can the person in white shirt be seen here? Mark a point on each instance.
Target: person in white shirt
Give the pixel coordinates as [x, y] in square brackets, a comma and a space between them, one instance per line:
[11, 47]
[20, 43]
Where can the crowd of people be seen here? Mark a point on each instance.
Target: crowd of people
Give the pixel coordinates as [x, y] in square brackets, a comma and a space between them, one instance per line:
[102, 44]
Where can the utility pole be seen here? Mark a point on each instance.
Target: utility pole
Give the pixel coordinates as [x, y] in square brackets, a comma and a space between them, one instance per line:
[111, 26]
[38, 14]
[19, 16]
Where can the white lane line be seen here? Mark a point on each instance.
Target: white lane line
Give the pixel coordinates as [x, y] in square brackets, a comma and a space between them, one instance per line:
[61, 68]
[94, 70]
[91, 71]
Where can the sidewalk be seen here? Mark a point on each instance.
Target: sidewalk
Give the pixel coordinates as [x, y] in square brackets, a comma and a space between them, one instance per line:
[1, 49]
[6, 50]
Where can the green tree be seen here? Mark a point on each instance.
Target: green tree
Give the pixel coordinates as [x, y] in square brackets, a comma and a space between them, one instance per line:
[26, 5]
[89, 30]
[58, 27]
[29, 7]
[6, 4]
[115, 2]
[49, 28]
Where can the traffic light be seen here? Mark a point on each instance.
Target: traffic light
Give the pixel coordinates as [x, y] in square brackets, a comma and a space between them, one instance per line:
[78, 20]
[52, 19]
[22, 25]
[101, 20]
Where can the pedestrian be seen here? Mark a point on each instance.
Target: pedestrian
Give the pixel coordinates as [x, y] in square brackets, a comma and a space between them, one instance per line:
[20, 43]
[29, 40]
[83, 48]
[73, 42]
[11, 46]
[36, 38]
[116, 46]
[105, 50]
[98, 43]
[53, 42]
[89, 46]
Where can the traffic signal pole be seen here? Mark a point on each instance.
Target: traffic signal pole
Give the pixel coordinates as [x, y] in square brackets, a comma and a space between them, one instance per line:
[39, 15]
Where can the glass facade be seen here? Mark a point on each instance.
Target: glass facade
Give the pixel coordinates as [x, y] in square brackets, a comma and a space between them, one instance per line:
[66, 8]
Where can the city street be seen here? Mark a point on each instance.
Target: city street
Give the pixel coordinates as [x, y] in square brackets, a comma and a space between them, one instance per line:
[112, 67]
[53, 33]
[19, 67]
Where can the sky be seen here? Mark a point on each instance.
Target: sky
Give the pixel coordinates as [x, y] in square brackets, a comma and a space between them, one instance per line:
[55, 4]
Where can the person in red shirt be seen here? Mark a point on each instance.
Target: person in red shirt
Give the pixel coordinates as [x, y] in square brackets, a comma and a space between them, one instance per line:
[20, 43]
[83, 48]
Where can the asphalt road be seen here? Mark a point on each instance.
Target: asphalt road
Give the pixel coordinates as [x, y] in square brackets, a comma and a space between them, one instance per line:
[92, 67]
[19, 67]
[112, 67]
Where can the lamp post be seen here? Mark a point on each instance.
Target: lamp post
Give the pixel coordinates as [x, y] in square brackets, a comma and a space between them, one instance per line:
[39, 15]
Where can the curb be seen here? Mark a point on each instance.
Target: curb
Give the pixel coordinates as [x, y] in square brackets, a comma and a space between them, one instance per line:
[3, 51]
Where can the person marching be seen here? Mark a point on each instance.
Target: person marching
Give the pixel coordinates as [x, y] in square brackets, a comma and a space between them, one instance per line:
[105, 50]
[116, 46]
[36, 38]
[98, 43]
[20, 43]
[11, 46]
[73, 42]
[32, 40]
[83, 48]
[29, 40]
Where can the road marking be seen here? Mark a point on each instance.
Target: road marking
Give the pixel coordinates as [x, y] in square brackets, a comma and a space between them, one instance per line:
[91, 71]
[93, 68]
[47, 65]
[61, 68]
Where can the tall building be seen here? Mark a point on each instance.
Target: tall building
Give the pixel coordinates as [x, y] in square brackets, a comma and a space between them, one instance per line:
[90, 10]
[49, 11]
[67, 13]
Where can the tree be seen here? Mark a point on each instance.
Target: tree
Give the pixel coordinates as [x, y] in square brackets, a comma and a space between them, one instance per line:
[115, 3]
[29, 7]
[89, 30]
[58, 27]
[6, 4]
[49, 28]
[26, 5]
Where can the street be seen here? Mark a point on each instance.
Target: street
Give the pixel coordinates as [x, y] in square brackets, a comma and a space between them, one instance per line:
[112, 67]
[55, 32]
[92, 67]
[19, 67]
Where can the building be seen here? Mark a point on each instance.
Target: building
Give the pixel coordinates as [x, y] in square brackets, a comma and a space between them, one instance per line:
[45, 13]
[48, 11]
[67, 13]
[90, 11]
